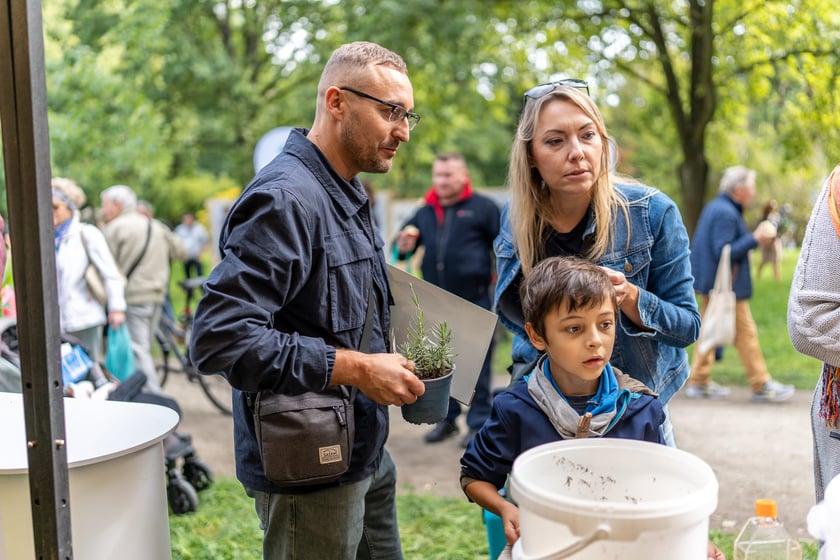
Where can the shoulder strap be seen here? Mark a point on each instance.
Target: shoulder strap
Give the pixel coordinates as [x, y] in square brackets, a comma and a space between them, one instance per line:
[723, 276]
[364, 345]
[143, 252]
[367, 331]
[85, 243]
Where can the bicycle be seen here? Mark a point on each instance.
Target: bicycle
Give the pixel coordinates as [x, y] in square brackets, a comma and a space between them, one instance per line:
[173, 338]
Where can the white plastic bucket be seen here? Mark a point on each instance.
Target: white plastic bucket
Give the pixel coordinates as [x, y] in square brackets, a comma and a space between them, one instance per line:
[599, 499]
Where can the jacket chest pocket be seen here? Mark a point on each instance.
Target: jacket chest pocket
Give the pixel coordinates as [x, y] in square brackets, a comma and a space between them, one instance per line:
[634, 266]
[350, 259]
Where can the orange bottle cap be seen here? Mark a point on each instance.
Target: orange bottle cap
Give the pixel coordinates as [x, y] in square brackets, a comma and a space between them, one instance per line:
[766, 508]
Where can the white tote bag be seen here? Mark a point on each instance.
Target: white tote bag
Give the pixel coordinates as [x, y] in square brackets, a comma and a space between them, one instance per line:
[718, 322]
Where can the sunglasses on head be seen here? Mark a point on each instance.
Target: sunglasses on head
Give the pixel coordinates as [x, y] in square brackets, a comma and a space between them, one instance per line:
[543, 89]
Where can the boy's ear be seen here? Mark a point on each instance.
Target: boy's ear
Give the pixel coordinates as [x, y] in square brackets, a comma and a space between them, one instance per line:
[537, 341]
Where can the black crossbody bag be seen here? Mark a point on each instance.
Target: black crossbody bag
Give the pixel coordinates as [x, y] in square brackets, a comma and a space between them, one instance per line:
[308, 439]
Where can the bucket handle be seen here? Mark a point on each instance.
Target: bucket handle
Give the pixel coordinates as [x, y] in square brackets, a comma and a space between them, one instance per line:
[600, 533]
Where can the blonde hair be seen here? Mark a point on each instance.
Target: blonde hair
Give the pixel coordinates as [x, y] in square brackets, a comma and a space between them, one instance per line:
[530, 207]
[72, 192]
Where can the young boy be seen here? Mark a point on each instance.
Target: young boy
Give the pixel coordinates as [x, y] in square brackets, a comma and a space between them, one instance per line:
[571, 312]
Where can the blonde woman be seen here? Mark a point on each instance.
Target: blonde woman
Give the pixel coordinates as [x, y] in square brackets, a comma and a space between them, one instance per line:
[76, 246]
[565, 201]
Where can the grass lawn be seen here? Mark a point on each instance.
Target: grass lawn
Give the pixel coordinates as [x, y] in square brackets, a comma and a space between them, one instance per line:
[225, 526]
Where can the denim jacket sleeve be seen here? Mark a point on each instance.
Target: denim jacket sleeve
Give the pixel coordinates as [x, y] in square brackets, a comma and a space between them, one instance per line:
[658, 264]
[656, 259]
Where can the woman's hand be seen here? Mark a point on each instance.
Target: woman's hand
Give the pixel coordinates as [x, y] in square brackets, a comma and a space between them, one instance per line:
[627, 295]
[116, 318]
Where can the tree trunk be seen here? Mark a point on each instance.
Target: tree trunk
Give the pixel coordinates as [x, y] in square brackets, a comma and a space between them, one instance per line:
[693, 173]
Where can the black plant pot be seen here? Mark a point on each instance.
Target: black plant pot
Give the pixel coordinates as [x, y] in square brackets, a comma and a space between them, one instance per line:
[432, 405]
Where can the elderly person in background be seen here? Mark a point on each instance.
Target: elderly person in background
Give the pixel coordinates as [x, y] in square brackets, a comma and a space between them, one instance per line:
[143, 249]
[76, 246]
[722, 223]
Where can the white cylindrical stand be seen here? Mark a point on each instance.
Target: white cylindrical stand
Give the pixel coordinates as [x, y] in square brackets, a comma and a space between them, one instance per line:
[115, 458]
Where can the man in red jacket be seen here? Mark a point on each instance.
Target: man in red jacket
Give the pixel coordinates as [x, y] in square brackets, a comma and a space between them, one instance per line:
[456, 227]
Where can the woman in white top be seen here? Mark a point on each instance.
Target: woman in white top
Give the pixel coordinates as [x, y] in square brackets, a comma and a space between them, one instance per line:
[77, 245]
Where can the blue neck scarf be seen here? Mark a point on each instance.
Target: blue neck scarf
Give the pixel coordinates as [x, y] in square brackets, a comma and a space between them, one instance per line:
[60, 232]
[604, 398]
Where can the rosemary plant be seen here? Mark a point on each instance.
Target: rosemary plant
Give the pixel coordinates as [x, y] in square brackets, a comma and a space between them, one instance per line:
[430, 348]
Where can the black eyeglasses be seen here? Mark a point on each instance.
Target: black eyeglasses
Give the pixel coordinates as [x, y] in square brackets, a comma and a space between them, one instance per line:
[543, 89]
[398, 112]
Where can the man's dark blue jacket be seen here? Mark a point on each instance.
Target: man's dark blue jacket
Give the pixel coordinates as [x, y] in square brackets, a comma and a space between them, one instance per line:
[459, 248]
[299, 259]
[722, 222]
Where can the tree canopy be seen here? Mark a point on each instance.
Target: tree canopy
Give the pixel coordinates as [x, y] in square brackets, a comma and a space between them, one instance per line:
[171, 98]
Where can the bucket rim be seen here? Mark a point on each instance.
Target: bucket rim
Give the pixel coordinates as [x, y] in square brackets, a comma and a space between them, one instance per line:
[700, 502]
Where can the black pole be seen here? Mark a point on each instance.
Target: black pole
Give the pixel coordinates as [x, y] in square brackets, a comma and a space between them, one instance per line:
[23, 113]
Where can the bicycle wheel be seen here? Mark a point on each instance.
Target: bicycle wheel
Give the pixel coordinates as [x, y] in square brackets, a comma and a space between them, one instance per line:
[163, 365]
[218, 391]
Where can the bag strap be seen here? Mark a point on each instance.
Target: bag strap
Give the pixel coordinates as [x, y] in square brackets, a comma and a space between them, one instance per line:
[367, 331]
[85, 244]
[723, 276]
[143, 252]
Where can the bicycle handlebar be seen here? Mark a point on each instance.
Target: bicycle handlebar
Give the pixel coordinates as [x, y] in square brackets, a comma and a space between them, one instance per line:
[192, 283]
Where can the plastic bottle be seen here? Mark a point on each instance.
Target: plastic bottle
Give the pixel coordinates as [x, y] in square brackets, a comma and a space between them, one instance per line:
[765, 538]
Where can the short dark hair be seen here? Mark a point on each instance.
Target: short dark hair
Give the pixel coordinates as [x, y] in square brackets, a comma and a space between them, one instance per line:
[554, 281]
[450, 156]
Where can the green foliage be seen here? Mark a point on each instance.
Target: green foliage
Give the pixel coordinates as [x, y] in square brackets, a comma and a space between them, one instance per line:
[726, 541]
[429, 348]
[435, 528]
[146, 93]
[225, 527]
[187, 194]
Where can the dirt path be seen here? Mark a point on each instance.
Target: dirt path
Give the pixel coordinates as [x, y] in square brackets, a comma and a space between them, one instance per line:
[756, 450]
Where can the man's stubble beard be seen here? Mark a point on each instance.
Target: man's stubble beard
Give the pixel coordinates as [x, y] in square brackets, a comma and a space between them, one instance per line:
[366, 158]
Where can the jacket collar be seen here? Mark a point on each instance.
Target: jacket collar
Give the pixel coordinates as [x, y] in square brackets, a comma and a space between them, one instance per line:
[349, 196]
[729, 199]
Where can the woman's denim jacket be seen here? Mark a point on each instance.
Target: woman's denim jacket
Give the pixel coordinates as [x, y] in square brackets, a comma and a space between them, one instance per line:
[656, 259]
